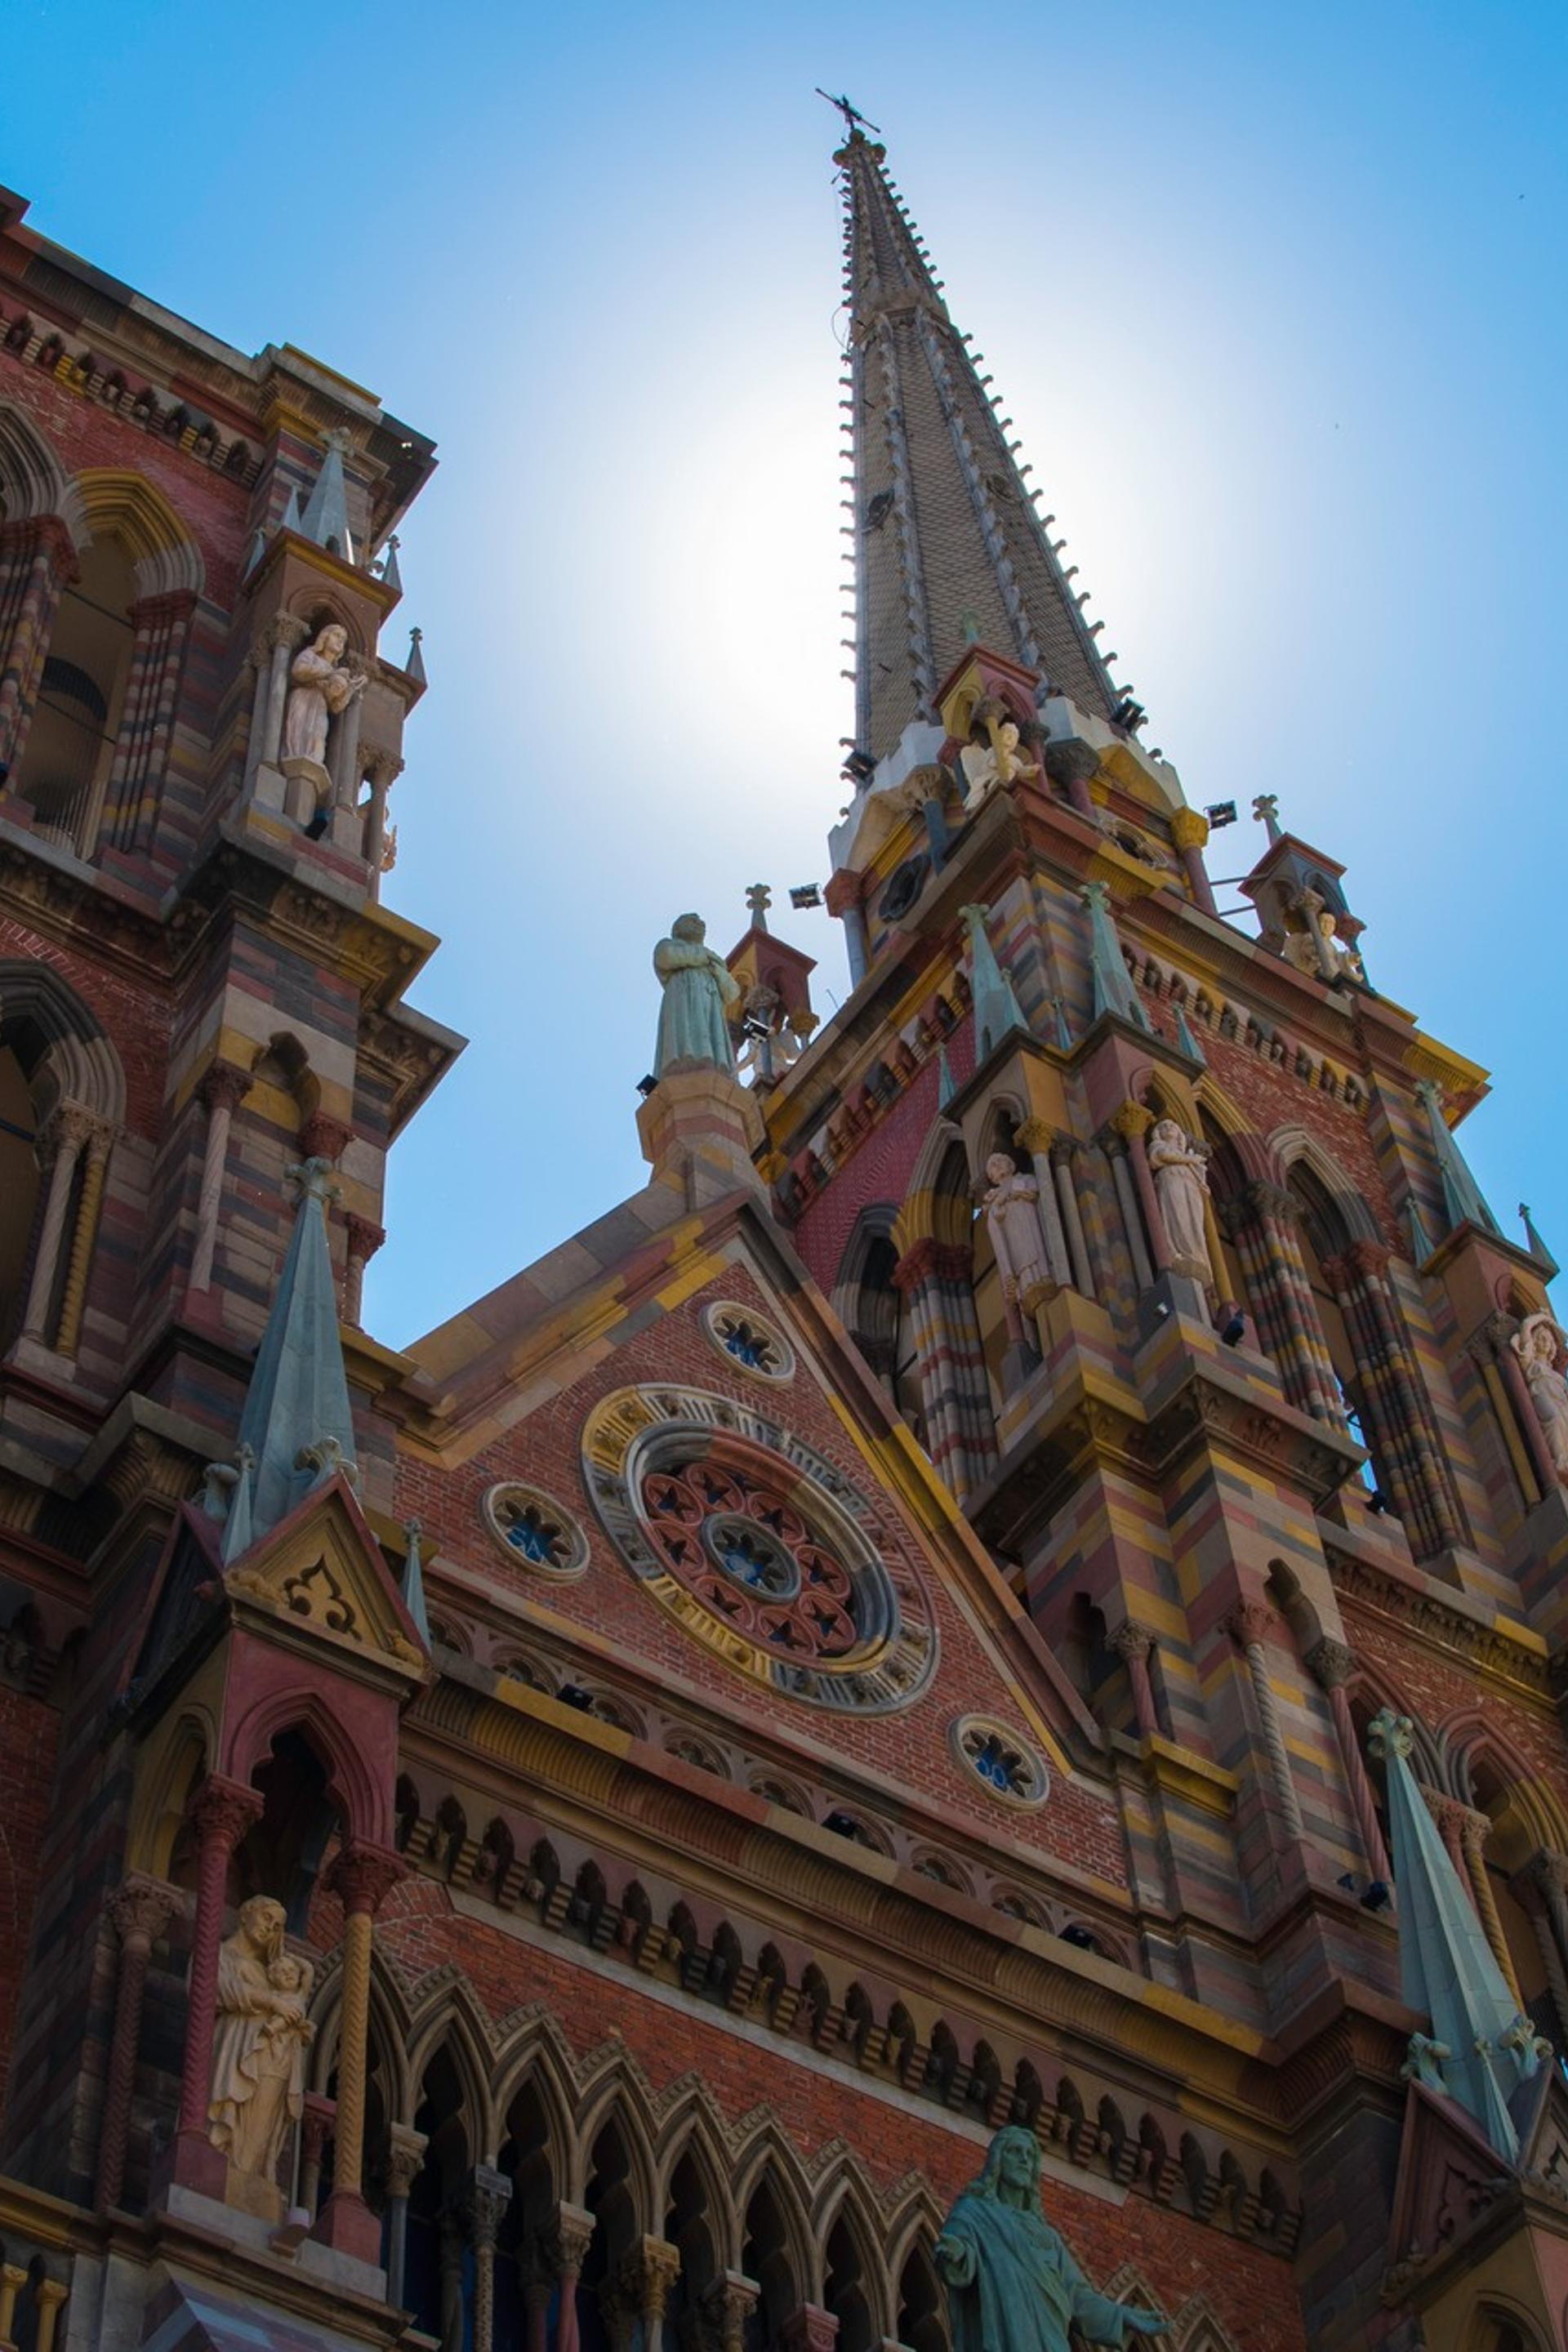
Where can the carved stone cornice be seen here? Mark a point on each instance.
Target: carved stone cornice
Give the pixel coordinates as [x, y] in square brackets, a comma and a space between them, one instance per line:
[1490, 1648]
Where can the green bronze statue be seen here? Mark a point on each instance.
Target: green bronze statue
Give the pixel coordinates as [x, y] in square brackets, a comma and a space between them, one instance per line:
[1011, 2285]
[699, 990]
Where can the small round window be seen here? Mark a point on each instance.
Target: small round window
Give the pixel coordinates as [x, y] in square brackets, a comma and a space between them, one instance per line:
[536, 1531]
[747, 1339]
[1000, 1758]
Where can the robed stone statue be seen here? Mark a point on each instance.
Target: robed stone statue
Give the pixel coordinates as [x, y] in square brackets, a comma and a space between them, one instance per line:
[1011, 2285]
[698, 989]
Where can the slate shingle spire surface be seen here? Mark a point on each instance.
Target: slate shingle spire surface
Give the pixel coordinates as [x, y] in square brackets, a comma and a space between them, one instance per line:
[949, 548]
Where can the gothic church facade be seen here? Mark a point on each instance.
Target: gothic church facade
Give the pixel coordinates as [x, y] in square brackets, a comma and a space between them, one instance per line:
[1016, 1582]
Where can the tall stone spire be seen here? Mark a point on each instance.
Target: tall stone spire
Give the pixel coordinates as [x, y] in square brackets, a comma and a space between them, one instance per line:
[949, 548]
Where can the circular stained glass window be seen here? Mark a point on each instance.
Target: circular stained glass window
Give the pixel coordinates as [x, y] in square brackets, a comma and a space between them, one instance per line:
[536, 1531]
[748, 1339]
[1002, 1760]
[761, 1550]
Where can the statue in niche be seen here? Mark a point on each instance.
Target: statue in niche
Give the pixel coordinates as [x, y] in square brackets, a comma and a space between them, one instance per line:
[698, 987]
[1539, 1343]
[258, 2047]
[1180, 1170]
[986, 766]
[1017, 1237]
[321, 685]
[1316, 950]
[1011, 2285]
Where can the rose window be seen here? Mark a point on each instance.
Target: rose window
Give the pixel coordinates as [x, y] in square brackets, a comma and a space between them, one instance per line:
[763, 1551]
[735, 1543]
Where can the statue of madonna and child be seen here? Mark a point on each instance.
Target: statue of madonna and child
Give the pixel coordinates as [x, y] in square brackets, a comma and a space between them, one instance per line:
[1011, 2285]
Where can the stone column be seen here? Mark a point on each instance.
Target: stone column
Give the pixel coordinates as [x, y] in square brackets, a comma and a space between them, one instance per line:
[404, 2156]
[344, 763]
[843, 898]
[1036, 1138]
[1189, 832]
[1132, 1644]
[385, 767]
[563, 2246]
[1133, 1123]
[162, 625]
[1474, 1831]
[1449, 1814]
[285, 635]
[1543, 1889]
[485, 2200]
[140, 1908]
[1062, 1153]
[315, 2129]
[40, 558]
[809, 2329]
[48, 2296]
[1250, 1623]
[260, 661]
[642, 2287]
[59, 1147]
[363, 1240]
[1334, 1666]
[221, 1812]
[1126, 1202]
[727, 2304]
[90, 1203]
[536, 2285]
[13, 2279]
[362, 1876]
[222, 1090]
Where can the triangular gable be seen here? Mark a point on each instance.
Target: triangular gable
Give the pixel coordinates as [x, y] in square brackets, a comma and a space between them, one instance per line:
[320, 1571]
[484, 1374]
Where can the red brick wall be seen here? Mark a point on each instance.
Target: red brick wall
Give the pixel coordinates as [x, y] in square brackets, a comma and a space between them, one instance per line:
[28, 1731]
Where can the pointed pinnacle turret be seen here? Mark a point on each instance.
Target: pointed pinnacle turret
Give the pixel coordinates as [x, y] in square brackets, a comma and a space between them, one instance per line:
[297, 1427]
[949, 548]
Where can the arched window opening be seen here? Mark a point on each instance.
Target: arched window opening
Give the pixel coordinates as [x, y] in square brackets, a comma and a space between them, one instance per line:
[1512, 1842]
[1324, 1238]
[922, 2322]
[437, 2279]
[525, 2159]
[846, 2293]
[611, 2199]
[766, 2257]
[687, 2226]
[18, 1177]
[281, 1855]
[71, 740]
[877, 1315]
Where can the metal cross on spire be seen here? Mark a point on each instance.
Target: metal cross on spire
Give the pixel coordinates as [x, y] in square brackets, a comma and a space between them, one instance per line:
[851, 114]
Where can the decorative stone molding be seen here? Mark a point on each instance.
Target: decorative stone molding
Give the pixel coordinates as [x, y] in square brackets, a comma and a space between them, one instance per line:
[534, 1529]
[1002, 1760]
[744, 1337]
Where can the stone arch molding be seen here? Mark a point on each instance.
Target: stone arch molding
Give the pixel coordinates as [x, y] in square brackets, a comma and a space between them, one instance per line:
[130, 508]
[33, 482]
[495, 2059]
[60, 1043]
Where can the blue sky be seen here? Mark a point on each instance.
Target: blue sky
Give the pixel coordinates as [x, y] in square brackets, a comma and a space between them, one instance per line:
[1276, 300]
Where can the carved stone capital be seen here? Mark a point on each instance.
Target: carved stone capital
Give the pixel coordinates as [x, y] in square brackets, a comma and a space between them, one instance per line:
[1189, 828]
[363, 1876]
[224, 1086]
[1369, 1258]
[565, 2241]
[321, 1137]
[645, 2276]
[1332, 1662]
[1132, 1640]
[140, 1908]
[1033, 1135]
[1548, 1871]
[728, 2303]
[1134, 1119]
[1474, 1831]
[222, 1811]
[809, 2329]
[364, 1238]
[284, 629]
[487, 2193]
[1267, 1200]
[1449, 1813]
[405, 2158]
[1250, 1621]
[382, 766]
[935, 1261]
